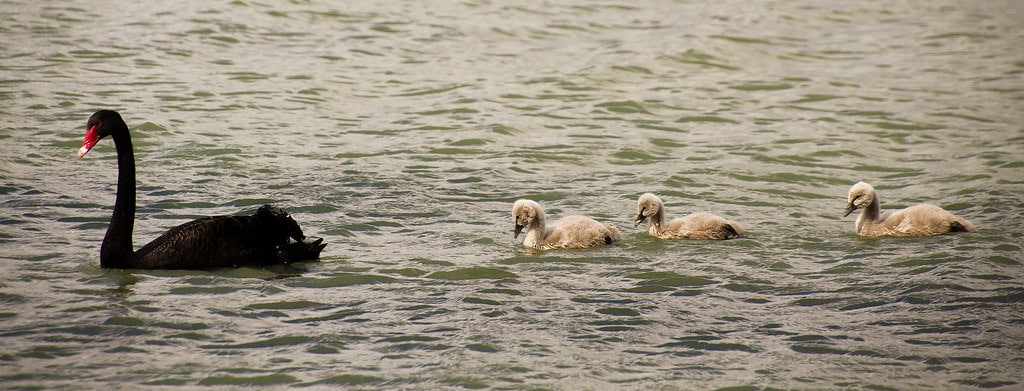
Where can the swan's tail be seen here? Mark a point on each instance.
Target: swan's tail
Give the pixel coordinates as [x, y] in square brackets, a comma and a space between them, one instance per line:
[734, 230]
[302, 251]
[961, 225]
[613, 234]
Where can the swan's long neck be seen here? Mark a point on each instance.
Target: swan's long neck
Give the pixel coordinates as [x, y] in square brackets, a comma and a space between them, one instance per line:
[116, 251]
[657, 220]
[535, 231]
[870, 214]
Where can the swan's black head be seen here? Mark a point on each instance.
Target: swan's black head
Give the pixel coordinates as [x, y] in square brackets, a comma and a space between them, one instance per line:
[281, 222]
[101, 124]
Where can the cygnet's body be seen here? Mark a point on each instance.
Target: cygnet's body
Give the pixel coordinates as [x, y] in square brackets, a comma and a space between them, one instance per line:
[573, 231]
[918, 220]
[700, 225]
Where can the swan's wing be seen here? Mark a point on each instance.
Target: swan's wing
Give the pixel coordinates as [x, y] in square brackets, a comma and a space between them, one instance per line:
[209, 242]
[577, 232]
[924, 219]
[700, 225]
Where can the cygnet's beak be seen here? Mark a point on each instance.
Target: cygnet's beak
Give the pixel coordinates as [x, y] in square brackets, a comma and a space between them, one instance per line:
[517, 231]
[639, 219]
[849, 209]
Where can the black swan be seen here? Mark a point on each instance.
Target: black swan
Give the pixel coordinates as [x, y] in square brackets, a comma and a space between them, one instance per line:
[209, 242]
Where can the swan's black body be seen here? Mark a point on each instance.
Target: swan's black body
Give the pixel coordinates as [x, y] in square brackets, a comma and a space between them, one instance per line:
[211, 242]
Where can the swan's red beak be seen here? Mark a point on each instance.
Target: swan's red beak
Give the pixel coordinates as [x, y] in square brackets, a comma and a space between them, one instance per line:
[90, 140]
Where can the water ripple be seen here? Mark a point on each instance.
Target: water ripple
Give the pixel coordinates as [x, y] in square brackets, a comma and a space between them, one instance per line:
[402, 133]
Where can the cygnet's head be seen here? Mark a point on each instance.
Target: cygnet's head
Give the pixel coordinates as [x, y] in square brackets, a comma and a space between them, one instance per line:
[861, 195]
[524, 212]
[648, 205]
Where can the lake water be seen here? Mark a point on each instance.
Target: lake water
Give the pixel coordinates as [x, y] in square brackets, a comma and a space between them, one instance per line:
[401, 133]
